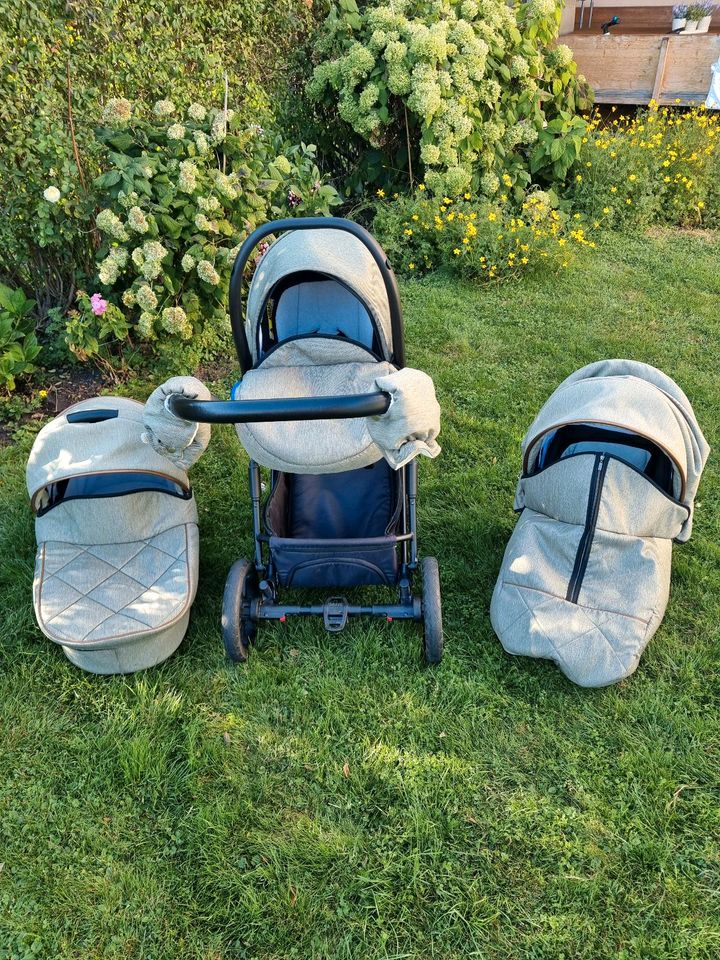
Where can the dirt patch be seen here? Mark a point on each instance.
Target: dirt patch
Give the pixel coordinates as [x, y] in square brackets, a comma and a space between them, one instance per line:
[62, 389]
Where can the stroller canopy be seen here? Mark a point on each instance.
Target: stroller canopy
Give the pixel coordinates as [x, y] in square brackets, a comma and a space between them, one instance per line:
[295, 271]
[633, 398]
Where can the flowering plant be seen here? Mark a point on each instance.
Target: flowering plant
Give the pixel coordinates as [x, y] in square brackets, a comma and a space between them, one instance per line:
[657, 166]
[462, 92]
[679, 11]
[478, 238]
[180, 194]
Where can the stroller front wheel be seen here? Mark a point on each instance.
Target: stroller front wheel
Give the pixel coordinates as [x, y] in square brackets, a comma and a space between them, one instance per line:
[238, 628]
[431, 611]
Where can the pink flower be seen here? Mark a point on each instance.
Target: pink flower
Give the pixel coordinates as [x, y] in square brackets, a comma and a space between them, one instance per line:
[98, 305]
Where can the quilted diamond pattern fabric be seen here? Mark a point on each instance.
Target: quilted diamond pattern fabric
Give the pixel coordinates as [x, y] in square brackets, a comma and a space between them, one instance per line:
[95, 594]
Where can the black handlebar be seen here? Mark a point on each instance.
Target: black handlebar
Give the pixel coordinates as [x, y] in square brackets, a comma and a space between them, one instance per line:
[312, 223]
[273, 411]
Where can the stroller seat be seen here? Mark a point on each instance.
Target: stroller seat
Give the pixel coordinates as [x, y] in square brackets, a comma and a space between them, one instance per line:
[312, 366]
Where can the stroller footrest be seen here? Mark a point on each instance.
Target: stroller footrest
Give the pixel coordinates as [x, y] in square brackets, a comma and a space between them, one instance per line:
[335, 614]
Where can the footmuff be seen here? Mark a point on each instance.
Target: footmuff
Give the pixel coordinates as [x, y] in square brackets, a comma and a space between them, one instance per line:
[116, 528]
[611, 466]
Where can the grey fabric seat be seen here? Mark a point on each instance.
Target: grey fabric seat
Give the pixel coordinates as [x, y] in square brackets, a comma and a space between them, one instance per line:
[322, 306]
[610, 470]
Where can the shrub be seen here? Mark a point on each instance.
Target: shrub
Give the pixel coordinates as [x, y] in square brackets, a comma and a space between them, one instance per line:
[660, 166]
[477, 238]
[181, 192]
[98, 51]
[18, 343]
[464, 92]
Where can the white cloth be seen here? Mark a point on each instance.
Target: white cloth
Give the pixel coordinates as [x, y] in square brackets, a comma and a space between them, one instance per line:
[411, 423]
[180, 441]
[713, 97]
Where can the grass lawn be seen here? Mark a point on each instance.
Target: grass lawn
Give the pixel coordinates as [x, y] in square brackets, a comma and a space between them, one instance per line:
[333, 799]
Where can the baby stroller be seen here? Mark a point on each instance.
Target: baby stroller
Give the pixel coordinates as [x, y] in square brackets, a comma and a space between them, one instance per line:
[323, 322]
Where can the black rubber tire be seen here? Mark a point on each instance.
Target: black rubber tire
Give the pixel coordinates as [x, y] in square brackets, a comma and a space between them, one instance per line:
[237, 628]
[431, 611]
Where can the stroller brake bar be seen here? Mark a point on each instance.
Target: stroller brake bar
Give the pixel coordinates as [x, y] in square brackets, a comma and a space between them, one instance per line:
[272, 411]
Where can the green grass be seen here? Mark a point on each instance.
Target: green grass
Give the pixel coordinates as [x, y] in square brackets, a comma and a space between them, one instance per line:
[488, 808]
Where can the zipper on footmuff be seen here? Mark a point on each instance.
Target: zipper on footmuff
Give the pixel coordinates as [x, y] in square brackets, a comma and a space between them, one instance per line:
[586, 541]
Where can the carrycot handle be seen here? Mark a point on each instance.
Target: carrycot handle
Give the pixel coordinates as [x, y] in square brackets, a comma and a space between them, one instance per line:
[276, 410]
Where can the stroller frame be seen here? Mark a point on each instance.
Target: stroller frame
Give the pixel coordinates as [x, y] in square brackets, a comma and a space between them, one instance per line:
[252, 589]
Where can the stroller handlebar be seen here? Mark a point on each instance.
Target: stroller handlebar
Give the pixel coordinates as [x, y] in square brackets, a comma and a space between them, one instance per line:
[276, 410]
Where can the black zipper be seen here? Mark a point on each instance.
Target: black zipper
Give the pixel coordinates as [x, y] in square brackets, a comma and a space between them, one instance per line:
[583, 552]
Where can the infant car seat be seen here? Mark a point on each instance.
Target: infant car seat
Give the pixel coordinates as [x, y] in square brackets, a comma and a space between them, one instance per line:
[117, 535]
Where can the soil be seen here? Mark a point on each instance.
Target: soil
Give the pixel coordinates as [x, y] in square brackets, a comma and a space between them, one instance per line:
[63, 387]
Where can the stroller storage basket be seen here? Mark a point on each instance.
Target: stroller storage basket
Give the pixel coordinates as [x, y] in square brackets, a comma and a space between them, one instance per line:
[335, 563]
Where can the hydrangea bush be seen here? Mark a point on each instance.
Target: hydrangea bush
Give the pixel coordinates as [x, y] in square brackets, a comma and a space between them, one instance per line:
[466, 90]
[181, 192]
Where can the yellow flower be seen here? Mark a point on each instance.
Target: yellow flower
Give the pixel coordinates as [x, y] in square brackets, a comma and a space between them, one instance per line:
[606, 209]
[456, 251]
[408, 233]
[381, 193]
[613, 189]
[447, 200]
[467, 196]
[415, 217]
[471, 229]
[451, 217]
[562, 241]
[421, 187]
[411, 266]
[632, 178]
[42, 394]
[628, 202]
[524, 260]
[466, 240]
[588, 164]
[578, 178]
[701, 204]
[492, 216]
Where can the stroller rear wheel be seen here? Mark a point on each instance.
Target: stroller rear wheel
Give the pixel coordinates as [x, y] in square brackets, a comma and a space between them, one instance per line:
[238, 628]
[431, 611]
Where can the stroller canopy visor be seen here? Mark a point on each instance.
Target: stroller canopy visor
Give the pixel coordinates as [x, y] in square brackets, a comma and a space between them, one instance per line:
[356, 306]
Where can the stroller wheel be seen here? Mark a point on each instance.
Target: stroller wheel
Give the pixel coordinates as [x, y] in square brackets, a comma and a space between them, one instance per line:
[237, 626]
[431, 611]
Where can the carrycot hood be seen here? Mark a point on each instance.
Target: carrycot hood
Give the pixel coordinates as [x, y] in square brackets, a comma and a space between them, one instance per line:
[335, 254]
[65, 449]
[631, 396]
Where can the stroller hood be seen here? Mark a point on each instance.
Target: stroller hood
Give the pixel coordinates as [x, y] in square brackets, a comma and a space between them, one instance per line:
[329, 252]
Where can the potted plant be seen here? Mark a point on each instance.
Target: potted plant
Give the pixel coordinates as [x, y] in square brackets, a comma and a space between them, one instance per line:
[679, 16]
[708, 9]
[694, 13]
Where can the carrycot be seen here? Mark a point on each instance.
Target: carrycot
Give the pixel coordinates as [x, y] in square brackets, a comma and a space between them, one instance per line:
[116, 528]
[611, 466]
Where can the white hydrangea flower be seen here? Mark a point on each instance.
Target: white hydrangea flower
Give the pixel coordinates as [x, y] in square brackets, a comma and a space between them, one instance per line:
[128, 297]
[137, 220]
[174, 320]
[146, 325]
[197, 112]
[187, 180]
[201, 142]
[110, 224]
[176, 131]
[117, 112]
[145, 297]
[207, 272]
[164, 108]
[187, 263]
[51, 194]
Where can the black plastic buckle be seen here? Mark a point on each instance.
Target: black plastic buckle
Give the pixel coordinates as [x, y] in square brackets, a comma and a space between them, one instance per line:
[335, 614]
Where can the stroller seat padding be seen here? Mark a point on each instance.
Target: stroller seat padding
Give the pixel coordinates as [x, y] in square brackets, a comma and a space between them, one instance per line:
[312, 367]
[322, 306]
